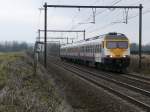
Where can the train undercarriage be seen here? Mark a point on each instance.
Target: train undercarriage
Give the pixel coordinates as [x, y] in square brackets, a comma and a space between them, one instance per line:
[108, 64]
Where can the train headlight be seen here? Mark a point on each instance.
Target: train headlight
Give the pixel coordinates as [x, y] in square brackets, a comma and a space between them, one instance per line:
[111, 56]
[124, 56]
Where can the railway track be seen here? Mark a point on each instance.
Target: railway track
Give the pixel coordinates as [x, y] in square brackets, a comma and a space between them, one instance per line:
[139, 83]
[112, 78]
[133, 80]
[96, 79]
[139, 78]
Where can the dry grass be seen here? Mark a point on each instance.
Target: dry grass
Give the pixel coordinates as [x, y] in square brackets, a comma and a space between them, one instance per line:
[134, 65]
[20, 90]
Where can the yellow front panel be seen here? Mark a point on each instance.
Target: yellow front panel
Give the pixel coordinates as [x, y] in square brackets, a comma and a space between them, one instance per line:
[117, 53]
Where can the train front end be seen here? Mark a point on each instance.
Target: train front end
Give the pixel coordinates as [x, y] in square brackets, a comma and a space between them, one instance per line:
[117, 51]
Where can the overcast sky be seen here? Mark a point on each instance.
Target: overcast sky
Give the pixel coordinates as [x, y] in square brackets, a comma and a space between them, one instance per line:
[20, 19]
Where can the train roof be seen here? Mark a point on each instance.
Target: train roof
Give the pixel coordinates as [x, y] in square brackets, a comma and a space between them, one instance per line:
[115, 35]
[97, 39]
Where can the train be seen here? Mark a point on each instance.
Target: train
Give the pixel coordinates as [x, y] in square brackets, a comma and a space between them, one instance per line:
[110, 51]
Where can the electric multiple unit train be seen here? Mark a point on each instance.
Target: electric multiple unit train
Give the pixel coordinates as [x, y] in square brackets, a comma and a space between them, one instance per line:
[110, 51]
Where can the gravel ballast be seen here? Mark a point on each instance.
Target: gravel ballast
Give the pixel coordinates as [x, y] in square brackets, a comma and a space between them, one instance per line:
[84, 96]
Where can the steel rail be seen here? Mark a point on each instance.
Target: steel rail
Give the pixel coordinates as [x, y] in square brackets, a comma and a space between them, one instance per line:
[142, 91]
[137, 76]
[137, 79]
[121, 95]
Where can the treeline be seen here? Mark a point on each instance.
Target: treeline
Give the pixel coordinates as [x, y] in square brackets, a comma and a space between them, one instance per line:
[135, 48]
[13, 46]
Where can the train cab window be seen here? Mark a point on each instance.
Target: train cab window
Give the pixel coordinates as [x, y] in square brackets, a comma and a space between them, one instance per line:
[115, 44]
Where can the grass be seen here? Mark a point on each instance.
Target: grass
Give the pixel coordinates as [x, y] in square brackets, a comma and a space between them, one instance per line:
[145, 64]
[3, 76]
[23, 91]
[5, 60]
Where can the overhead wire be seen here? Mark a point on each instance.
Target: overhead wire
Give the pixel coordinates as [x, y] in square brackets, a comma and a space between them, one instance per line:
[119, 21]
[75, 16]
[114, 23]
[112, 3]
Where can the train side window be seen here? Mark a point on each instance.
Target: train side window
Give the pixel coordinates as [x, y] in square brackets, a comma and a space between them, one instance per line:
[90, 49]
[93, 48]
[100, 47]
[96, 48]
[86, 49]
[82, 49]
[102, 44]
